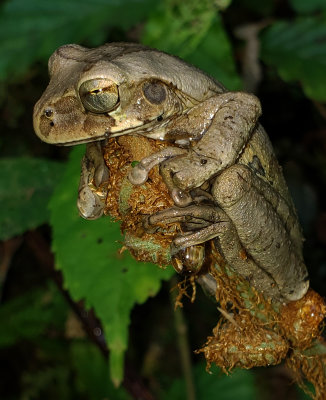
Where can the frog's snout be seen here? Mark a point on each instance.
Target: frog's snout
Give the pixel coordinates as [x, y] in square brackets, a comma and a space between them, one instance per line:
[44, 122]
[48, 113]
[65, 122]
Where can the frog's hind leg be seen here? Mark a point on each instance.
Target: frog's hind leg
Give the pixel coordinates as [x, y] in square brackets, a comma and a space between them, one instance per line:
[262, 228]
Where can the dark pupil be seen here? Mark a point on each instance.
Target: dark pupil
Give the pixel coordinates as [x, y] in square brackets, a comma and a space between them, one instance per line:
[154, 92]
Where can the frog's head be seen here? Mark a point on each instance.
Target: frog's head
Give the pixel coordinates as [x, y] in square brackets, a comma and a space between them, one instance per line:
[113, 90]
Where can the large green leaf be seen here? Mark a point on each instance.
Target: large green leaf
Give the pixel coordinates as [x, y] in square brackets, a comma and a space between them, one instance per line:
[298, 51]
[33, 29]
[87, 252]
[26, 185]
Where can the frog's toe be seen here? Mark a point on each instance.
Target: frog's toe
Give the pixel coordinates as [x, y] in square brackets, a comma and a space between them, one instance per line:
[189, 260]
[89, 204]
[181, 198]
[193, 238]
[138, 175]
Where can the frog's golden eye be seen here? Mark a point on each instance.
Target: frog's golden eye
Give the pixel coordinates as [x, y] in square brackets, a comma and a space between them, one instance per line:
[99, 95]
[154, 91]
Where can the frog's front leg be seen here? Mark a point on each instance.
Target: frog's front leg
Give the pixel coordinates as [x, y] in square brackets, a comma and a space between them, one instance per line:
[139, 173]
[233, 116]
[92, 192]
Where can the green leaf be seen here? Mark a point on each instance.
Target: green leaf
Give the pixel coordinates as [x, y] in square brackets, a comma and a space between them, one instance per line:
[239, 385]
[304, 6]
[28, 316]
[32, 30]
[26, 185]
[214, 56]
[298, 51]
[194, 31]
[87, 252]
[178, 27]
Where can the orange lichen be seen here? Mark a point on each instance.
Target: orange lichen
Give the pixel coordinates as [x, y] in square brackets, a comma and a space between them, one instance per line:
[301, 319]
[254, 332]
[244, 336]
[183, 287]
[309, 368]
[129, 203]
[243, 344]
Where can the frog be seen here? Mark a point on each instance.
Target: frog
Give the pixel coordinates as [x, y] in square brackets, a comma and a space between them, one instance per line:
[219, 167]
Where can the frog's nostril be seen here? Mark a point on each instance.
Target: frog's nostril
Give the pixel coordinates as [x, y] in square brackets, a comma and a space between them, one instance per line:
[48, 113]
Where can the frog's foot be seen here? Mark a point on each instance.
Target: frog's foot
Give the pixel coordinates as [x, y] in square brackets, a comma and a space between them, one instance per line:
[200, 225]
[139, 174]
[189, 260]
[194, 216]
[92, 192]
[188, 171]
[196, 196]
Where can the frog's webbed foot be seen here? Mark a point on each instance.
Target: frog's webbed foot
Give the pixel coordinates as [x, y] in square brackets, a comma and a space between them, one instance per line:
[193, 217]
[139, 174]
[200, 223]
[167, 158]
[92, 192]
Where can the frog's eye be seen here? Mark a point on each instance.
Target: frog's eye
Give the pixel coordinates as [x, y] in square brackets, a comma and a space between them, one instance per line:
[154, 91]
[99, 95]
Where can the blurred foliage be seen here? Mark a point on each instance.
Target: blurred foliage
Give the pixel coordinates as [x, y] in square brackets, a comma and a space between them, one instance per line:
[30, 314]
[45, 25]
[26, 184]
[44, 360]
[29, 318]
[298, 51]
[312, 6]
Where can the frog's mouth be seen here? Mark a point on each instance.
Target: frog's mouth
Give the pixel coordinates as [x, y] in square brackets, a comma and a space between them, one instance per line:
[155, 129]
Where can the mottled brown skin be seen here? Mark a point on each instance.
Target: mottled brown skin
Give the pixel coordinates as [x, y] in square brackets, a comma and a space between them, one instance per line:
[221, 170]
